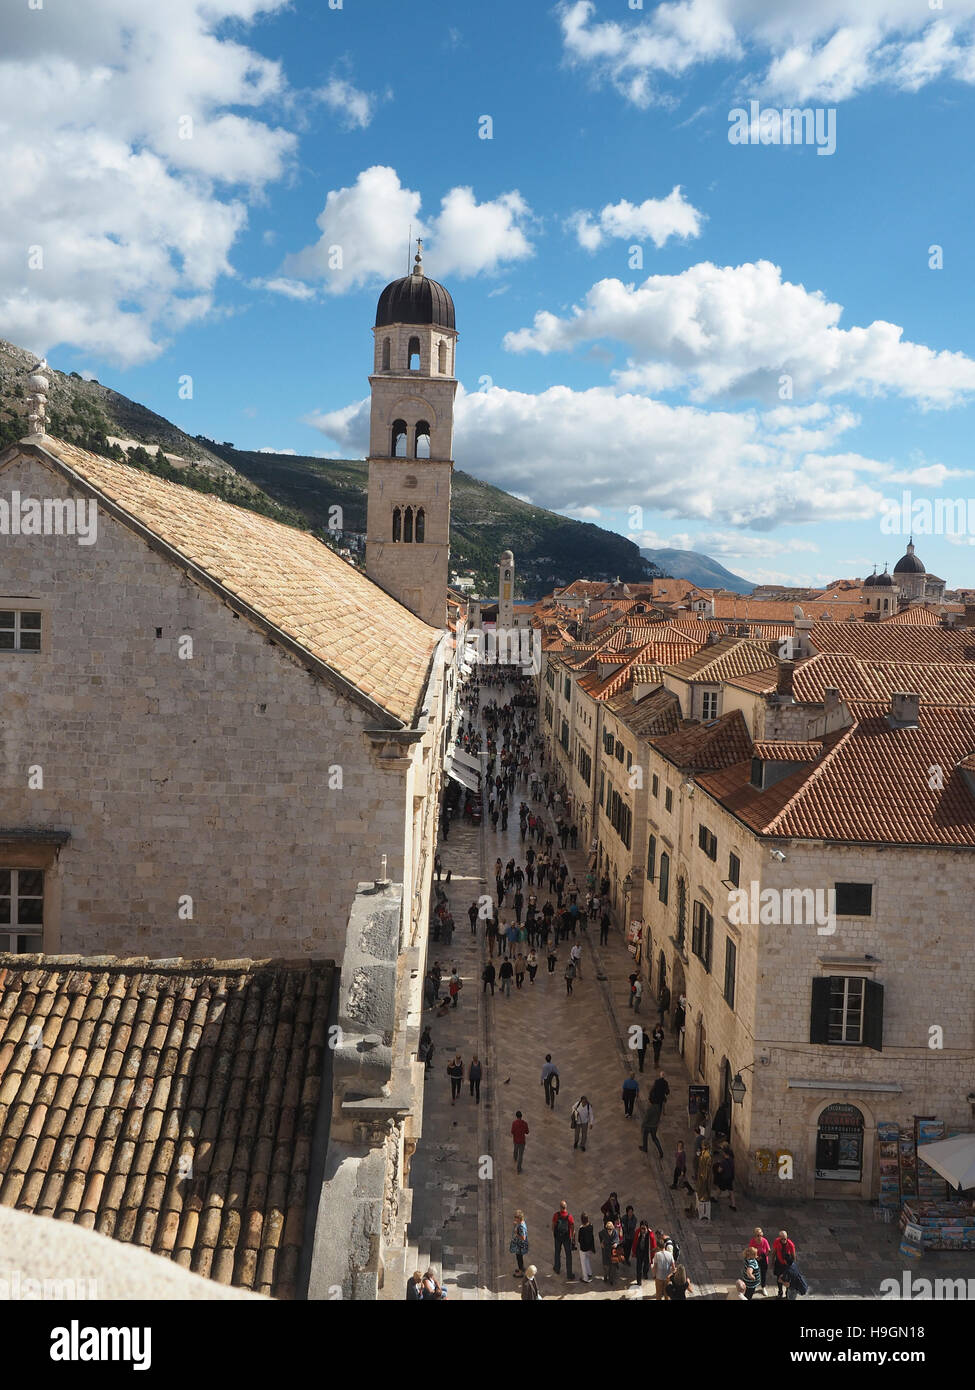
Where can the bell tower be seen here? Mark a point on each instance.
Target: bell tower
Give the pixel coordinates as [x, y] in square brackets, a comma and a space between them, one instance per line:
[410, 443]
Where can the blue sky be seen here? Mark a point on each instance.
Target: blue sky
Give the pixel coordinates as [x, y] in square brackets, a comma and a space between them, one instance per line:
[785, 360]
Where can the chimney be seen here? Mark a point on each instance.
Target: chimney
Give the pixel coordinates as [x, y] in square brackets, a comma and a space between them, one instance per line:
[783, 681]
[904, 710]
[969, 618]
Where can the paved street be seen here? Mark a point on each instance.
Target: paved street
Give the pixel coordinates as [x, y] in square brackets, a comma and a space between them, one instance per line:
[463, 1209]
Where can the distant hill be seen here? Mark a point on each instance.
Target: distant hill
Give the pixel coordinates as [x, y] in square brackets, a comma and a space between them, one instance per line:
[549, 549]
[699, 569]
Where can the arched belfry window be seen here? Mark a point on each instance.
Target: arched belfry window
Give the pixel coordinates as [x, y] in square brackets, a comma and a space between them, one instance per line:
[421, 442]
[413, 353]
[407, 524]
[420, 525]
[397, 448]
[397, 524]
[442, 357]
[385, 354]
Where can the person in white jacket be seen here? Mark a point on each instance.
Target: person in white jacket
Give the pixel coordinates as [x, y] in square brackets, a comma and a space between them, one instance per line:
[582, 1114]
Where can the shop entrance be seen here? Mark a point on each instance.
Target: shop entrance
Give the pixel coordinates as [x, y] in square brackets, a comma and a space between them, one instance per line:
[839, 1144]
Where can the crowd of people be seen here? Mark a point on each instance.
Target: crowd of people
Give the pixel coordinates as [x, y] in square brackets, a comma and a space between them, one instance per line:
[540, 916]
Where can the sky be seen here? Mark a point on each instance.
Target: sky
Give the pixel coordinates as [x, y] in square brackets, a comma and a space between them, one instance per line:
[672, 322]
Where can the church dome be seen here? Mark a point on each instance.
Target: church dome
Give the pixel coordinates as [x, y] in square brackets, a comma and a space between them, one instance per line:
[871, 580]
[415, 299]
[883, 581]
[909, 563]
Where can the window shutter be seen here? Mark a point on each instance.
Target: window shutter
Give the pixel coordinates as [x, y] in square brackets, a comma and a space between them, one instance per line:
[873, 1015]
[819, 1021]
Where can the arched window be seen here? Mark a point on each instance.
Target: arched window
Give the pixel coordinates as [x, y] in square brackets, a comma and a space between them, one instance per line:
[420, 525]
[397, 524]
[442, 356]
[421, 440]
[408, 524]
[413, 353]
[385, 354]
[397, 448]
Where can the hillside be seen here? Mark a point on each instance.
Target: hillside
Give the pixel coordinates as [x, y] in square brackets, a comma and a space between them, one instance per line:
[300, 491]
[699, 569]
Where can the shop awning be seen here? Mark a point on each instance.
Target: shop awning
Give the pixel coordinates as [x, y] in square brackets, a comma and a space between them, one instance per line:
[463, 768]
[954, 1159]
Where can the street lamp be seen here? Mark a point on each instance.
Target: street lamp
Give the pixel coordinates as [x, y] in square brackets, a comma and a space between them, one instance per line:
[628, 884]
[738, 1089]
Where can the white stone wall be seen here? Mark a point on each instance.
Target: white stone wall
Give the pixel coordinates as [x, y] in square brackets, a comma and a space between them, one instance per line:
[207, 778]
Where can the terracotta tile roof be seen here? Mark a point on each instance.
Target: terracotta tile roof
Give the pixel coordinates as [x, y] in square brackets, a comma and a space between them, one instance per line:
[913, 617]
[646, 673]
[720, 743]
[119, 1076]
[873, 682]
[837, 608]
[886, 642]
[656, 713]
[784, 751]
[331, 610]
[871, 785]
[730, 657]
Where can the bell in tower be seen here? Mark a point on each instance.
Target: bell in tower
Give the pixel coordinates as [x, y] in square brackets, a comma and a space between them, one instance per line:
[411, 443]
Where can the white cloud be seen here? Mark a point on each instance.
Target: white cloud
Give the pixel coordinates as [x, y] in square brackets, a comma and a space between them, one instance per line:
[364, 232]
[656, 219]
[120, 167]
[827, 51]
[599, 449]
[290, 289]
[354, 107]
[738, 329]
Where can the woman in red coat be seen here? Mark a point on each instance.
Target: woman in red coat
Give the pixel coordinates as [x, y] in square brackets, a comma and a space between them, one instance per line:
[783, 1253]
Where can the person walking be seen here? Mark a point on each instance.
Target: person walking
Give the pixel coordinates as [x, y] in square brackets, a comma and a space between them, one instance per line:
[641, 1049]
[553, 957]
[663, 1001]
[663, 1267]
[550, 1080]
[604, 929]
[488, 977]
[724, 1174]
[472, 918]
[454, 987]
[762, 1250]
[563, 1226]
[704, 1167]
[581, 1121]
[631, 1089]
[609, 1243]
[679, 1286]
[750, 1272]
[783, 1253]
[575, 955]
[455, 1070]
[532, 962]
[644, 1248]
[529, 1287]
[518, 1244]
[680, 1166]
[651, 1123]
[636, 993]
[504, 976]
[586, 1241]
[660, 1090]
[794, 1281]
[629, 1225]
[570, 974]
[521, 965]
[519, 1133]
[474, 1074]
[658, 1042]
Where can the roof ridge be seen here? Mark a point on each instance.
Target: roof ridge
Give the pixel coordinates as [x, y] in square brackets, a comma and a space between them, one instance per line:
[818, 768]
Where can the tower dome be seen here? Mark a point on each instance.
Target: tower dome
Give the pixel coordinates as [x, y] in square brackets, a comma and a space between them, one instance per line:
[909, 563]
[883, 581]
[415, 299]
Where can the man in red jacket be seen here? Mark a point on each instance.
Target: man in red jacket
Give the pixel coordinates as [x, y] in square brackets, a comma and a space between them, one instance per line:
[562, 1227]
[519, 1133]
[783, 1253]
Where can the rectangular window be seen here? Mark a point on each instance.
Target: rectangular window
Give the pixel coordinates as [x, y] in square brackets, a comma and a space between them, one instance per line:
[707, 842]
[655, 785]
[847, 1010]
[550, 678]
[548, 711]
[709, 705]
[20, 632]
[854, 899]
[652, 858]
[619, 751]
[629, 761]
[567, 688]
[564, 736]
[702, 934]
[21, 910]
[585, 766]
[668, 800]
[730, 963]
[734, 869]
[602, 784]
[664, 887]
